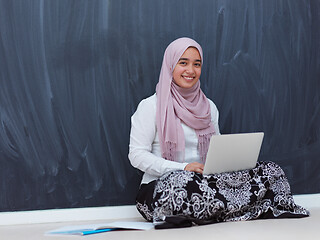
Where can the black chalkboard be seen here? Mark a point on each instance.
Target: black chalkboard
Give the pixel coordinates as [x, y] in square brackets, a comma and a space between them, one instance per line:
[73, 71]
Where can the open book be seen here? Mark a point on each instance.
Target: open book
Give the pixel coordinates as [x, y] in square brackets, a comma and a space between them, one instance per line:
[101, 227]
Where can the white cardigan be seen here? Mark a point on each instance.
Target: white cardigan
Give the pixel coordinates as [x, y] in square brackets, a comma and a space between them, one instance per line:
[144, 147]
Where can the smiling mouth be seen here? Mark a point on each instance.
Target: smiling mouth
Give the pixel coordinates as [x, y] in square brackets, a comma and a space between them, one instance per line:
[188, 78]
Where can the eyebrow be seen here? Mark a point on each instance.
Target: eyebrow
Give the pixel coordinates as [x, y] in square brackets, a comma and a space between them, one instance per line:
[187, 59]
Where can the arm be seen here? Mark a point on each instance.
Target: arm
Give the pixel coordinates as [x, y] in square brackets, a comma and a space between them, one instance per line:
[143, 133]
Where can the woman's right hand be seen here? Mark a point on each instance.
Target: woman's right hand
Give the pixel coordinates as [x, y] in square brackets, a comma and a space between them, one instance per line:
[194, 167]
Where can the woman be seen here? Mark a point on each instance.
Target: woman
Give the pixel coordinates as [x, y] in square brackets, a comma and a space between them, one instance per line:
[169, 140]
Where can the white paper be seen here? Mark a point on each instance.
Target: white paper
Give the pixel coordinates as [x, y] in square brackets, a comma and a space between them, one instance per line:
[79, 229]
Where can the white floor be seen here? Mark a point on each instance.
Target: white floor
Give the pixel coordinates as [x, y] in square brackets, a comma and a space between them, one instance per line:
[304, 228]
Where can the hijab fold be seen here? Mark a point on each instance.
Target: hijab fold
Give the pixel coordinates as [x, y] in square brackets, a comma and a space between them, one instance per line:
[176, 104]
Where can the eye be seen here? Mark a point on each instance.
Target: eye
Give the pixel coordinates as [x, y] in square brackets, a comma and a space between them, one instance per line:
[197, 64]
[183, 63]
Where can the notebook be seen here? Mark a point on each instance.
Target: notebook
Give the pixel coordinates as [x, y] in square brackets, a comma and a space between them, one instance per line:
[233, 152]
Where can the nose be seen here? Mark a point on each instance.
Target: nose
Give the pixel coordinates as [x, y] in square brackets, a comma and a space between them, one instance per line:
[190, 69]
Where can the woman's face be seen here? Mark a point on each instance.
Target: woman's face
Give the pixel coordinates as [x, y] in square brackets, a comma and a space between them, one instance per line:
[188, 69]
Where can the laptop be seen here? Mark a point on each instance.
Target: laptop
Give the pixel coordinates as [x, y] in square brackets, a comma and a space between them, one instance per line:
[233, 152]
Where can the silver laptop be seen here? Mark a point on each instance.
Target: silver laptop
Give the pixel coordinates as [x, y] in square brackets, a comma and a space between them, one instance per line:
[233, 152]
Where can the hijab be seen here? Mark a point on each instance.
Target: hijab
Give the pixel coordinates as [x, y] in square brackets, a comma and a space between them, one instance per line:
[176, 104]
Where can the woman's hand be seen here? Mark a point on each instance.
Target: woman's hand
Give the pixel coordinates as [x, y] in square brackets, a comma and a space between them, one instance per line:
[195, 167]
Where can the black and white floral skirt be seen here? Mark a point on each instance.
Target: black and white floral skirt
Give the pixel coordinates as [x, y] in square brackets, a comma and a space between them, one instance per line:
[261, 192]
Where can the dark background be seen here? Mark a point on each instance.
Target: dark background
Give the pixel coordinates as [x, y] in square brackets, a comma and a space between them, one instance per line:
[73, 71]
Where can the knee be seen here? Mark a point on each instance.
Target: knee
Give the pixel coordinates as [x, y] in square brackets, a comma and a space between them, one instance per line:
[176, 179]
[272, 169]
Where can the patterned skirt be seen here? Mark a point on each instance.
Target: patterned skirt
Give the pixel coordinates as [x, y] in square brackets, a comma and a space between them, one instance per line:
[261, 192]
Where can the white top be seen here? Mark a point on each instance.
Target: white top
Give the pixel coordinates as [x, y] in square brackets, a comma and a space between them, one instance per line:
[144, 147]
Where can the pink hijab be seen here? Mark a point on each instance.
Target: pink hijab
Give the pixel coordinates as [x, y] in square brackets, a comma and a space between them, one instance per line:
[176, 104]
